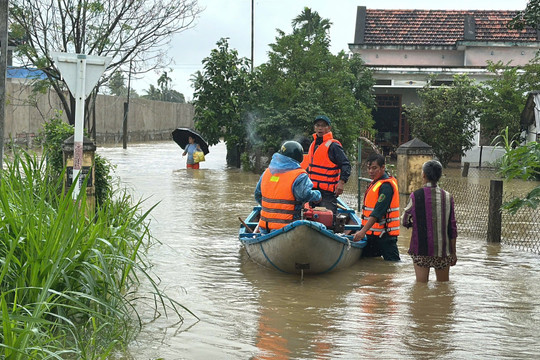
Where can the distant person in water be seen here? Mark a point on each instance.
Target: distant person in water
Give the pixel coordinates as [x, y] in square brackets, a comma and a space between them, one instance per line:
[430, 213]
[191, 147]
[284, 188]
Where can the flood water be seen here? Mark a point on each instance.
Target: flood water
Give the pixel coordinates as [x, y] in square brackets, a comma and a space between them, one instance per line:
[490, 309]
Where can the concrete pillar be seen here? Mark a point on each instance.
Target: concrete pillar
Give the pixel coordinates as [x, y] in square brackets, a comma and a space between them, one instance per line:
[87, 169]
[410, 158]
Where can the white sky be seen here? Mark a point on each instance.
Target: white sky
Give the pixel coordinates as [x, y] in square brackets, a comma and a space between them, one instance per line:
[232, 19]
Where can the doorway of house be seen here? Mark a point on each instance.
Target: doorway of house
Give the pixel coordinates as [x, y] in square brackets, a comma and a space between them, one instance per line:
[388, 123]
[386, 118]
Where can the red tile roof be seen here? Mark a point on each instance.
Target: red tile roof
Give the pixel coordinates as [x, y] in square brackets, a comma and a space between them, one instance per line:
[439, 27]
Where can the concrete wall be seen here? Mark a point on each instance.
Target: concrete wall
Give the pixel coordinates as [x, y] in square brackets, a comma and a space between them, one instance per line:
[516, 55]
[147, 120]
[468, 56]
[490, 155]
[412, 57]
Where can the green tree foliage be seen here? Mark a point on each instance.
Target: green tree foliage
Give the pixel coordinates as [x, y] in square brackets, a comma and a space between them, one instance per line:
[446, 118]
[52, 136]
[310, 24]
[530, 78]
[504, 96]
[302, 79]
[280, 99]
[127, 31]
[117, 86]
[520, 162]
[503, 99]
[164, 92]
[362, 82]
[528, 17]
[221, 97]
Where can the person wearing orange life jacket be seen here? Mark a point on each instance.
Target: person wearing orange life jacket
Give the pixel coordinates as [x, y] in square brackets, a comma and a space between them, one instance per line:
[305, 142]
[380, 212]
[329, 168]
[283, 188]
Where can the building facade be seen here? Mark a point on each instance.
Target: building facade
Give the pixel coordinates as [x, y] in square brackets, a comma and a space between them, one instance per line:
[406, 47]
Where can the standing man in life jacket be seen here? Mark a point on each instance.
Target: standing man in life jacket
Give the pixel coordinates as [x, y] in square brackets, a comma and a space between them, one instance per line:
[328, 166]
[284, 188]
[380, 212]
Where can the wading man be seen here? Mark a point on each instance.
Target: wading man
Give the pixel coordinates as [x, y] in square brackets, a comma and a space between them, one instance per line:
[380, 212]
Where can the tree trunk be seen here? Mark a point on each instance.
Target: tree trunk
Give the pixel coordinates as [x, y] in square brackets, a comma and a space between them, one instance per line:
[233, 156]
[71, 115]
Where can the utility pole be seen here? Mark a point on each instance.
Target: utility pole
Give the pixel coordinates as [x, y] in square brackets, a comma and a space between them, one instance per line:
[3, 70]
[252, 31]
[126, 111]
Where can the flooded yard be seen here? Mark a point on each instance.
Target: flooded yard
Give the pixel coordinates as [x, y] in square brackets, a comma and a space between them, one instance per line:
[373, 310]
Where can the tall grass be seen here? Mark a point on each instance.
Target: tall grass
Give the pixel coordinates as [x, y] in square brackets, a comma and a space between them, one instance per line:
[67, 281]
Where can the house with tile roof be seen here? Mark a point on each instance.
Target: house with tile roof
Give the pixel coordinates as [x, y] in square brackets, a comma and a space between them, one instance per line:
[405, 47]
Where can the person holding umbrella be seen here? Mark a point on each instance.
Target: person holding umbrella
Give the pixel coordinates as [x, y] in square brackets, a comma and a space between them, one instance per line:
[190, 149]
[191, 142]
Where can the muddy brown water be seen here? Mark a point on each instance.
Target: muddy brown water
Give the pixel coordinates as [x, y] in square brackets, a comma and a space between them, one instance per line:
[490, 309]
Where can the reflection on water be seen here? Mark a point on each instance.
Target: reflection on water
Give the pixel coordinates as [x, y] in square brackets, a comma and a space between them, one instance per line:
[431, 317]
[489, 309]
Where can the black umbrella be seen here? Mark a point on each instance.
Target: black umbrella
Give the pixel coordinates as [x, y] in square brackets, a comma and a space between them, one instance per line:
[181, 137]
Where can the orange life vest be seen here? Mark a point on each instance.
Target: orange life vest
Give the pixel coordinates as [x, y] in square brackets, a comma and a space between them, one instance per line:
[278, 200]
[323, 173]
[305, 162]
[390, 221]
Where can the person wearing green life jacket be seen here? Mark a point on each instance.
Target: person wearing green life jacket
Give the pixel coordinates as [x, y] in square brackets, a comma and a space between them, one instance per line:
[380, 212]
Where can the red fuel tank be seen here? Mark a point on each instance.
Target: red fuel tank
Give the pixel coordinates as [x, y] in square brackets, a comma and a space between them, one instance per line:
[320, 214]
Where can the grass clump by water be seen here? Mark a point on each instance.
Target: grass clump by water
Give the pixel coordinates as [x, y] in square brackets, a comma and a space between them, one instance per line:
[67, 281]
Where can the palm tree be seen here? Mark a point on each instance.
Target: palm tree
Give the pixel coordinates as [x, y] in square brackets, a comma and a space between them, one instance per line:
[311, 24]
[152, 93]
[164, 92]
[164, 81]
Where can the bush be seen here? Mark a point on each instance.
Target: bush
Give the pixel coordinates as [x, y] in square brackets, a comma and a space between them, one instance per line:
[52, 137]
[521, 162]
[66, 285]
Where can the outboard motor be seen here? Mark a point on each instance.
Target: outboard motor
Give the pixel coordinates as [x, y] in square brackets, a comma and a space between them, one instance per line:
[341, 220]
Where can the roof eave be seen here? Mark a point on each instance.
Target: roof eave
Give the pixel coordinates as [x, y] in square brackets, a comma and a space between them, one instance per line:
[459, 45]
[428, 69]
[400, 47]
[462, 45]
